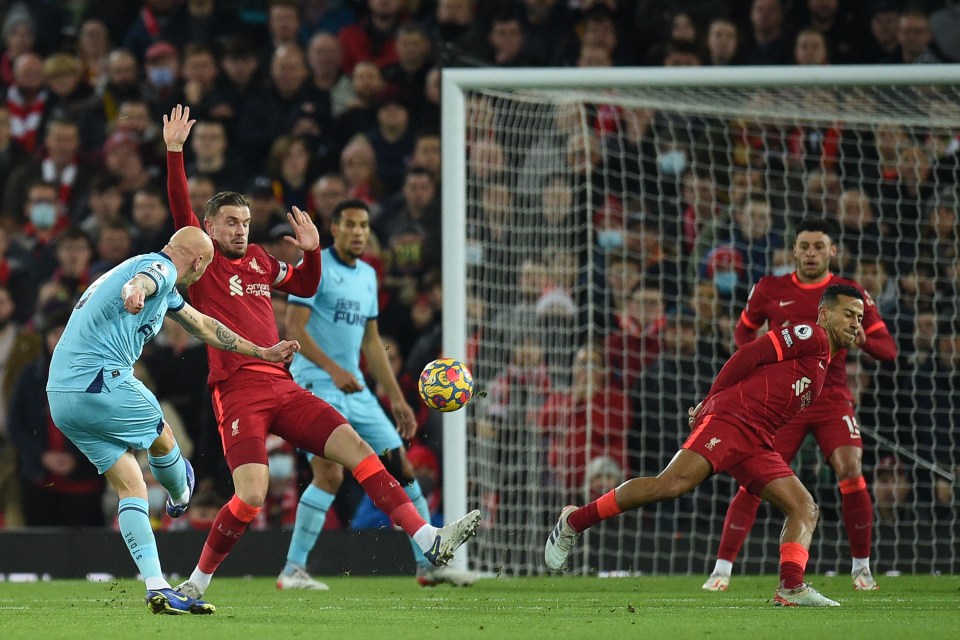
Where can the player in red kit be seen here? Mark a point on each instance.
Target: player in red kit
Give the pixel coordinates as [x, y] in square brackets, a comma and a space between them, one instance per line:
[762, 386]
[782, 301]
[252, 398]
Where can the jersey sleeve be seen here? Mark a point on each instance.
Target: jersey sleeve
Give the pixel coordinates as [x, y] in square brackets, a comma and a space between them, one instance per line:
[162, 274]
[753, 315]
[175, 301]
[178, 193]
[799, 340]
[373, 310]
[764, 350]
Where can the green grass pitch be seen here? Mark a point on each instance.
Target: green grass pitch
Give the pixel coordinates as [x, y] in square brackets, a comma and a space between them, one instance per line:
[907, 607]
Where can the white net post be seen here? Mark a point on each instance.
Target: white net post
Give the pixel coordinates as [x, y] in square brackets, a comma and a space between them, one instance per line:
[558, 187]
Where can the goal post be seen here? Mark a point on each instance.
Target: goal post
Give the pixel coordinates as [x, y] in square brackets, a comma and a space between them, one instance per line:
[573, 198]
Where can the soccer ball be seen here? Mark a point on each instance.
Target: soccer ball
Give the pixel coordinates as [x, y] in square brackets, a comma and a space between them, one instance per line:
[446, 384]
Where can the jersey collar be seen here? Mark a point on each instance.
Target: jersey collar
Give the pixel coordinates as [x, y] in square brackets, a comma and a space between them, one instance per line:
[336, 256]
[811, 285]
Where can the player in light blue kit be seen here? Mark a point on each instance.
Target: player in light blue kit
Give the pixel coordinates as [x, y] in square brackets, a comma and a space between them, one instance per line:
[333, 327]
[96, 401]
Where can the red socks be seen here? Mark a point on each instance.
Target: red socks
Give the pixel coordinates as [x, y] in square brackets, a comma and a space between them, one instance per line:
[793, 562]
[857, 515]
[741, 514]
[387, 494]
[600, 509]
[229, 525]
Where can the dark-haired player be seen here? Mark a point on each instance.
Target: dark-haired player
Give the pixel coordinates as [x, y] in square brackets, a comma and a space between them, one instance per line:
[761, 387]
[782, 301]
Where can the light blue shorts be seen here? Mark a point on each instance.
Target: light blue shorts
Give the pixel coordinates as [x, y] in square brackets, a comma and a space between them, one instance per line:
[364, 413]
[105, 425]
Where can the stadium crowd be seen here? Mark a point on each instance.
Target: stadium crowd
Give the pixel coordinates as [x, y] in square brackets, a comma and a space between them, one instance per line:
[305, 103]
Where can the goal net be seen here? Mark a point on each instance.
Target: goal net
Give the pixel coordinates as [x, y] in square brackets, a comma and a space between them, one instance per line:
[602, 230]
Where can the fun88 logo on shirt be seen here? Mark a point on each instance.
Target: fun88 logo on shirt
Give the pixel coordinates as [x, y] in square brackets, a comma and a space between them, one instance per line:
[348, 312]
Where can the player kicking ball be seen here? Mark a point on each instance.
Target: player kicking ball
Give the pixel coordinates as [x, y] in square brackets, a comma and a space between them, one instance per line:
[761, 387]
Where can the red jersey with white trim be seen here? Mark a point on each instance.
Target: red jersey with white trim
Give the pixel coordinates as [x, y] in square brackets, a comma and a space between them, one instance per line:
[783, 301]
[237, 293]
[770, 380]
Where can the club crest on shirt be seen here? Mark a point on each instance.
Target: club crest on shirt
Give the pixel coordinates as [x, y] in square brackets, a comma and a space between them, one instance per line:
[256, 267]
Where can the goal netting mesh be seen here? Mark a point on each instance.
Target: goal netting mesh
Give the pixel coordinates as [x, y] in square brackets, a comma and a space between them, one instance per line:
[612, 239]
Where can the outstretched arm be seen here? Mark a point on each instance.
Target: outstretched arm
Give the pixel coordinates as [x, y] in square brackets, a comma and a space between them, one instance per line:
[176, 128]
[215, 334]
[305, 278]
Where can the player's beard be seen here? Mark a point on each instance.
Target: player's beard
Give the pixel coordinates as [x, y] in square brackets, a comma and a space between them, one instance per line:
[232, 253]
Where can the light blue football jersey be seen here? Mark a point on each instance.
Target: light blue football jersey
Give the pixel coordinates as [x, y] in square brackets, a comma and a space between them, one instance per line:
[102, 339]
[345, 300]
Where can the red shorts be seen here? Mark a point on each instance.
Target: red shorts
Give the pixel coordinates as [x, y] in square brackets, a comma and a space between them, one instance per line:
[832, 421]
[745, 454]
[250, 404]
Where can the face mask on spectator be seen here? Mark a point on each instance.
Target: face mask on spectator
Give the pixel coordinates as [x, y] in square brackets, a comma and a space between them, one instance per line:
[43, 215]
[161, 76]
[610, 239]
[725, 281]
[672, 163]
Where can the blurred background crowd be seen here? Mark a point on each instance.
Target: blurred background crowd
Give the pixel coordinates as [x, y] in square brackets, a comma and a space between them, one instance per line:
[307, 102]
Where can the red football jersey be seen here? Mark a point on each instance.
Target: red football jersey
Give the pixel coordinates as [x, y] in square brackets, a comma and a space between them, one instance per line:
[235, 292]
[783, 301]
[769, 381]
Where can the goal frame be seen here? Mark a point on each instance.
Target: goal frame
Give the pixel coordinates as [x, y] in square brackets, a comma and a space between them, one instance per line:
[456, 82]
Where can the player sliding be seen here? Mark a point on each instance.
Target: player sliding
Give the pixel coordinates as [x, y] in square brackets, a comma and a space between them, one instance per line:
[780, 301]
[762, 386]
[251, 398]
[97, 402]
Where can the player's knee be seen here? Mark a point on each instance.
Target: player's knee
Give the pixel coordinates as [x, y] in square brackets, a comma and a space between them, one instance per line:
[398, 466]
[252, 493]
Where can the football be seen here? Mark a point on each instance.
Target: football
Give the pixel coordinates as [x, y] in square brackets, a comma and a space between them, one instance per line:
[446, 384]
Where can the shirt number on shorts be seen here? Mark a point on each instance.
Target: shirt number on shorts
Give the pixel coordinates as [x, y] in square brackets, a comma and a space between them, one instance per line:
[852, 426]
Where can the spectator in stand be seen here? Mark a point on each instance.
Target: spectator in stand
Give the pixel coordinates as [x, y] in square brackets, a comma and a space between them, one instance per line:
[325, 193]
[134, 117]
[430, 111]
[891, 489]
[283, 23]
[103, 205]
[114, 244]
[57, 162]
[426, 153]
[152, 22]
[358, 166]
[18, 276]
[361, 113]
[289, 105]
[265, 211]
[680, 53]
[589, 420]
[200, 73]
[881, 45]
[374, 37]
[202, 22]
[592, 55]
[506, 40]
[945, 27]
[123, 159]
[46, 219]
[27, 100]
[162, 66]
[915, 38]
[239, 82]
[392, 140]
[122, 82]
[93, 47]
[202, 188]
[328, 16]
[624, 271]
[810, 48]
[324, 59]
[547, 26]
[723, 43]
[60, 487]
[288, 167]
[456, 32]
[12, 157]
[647, 241]
[19, 34]
[210, 146]
[18, 346]
[152, 219]
[74, 254]
[635, 342]
[409, 74]
[69, 94]
[839, 32]
[770, 43]
[859, 231]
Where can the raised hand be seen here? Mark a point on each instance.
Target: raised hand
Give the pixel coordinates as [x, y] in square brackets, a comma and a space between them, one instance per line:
[177, 127]
[307, 235]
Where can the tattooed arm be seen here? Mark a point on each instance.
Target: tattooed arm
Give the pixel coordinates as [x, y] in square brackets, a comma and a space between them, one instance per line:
[215, 334]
